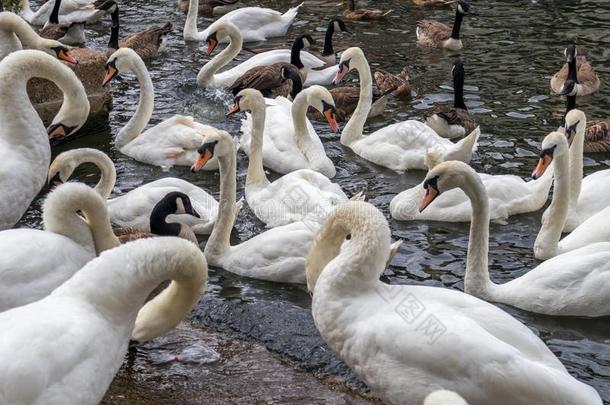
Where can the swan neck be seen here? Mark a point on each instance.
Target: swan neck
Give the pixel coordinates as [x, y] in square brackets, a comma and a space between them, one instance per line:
[302, 137]
[208, 70]
[13, 23]
[190, 25]
[146, 103]
[576, 163]
[256, 172]
[107, 170]
[220, 239]
[355, 126]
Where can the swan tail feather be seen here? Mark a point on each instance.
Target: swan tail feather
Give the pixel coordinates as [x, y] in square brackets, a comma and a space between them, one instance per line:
[291, 14]
[464, 149]
[359, 196]
[393, 250]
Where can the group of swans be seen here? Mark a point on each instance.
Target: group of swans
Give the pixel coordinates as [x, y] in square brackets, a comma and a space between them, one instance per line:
[456, 342]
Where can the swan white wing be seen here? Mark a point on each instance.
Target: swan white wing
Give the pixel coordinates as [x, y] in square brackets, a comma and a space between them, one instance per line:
[322, 77]
[277, 254]
[591, 200]
[594, 229]
[33, 263]
[573, 284]
[411, 341]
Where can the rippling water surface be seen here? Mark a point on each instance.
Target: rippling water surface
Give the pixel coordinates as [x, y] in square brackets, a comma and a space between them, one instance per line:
[511, 50]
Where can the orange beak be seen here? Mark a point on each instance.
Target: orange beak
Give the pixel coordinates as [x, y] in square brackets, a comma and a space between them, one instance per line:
[233, 109]
[542, 165]
[431, 194]
[212, 43]
[65, 56]
[332, 120]
[57, 132]
[110, 74]
[201, 161]
[343, 70]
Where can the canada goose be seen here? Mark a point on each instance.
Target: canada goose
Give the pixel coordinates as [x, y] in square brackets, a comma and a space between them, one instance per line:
[70, 34]
[363, 13]
[435, 34]
[146, 43]
[207, 7]
[452, 122]
[597, 132]
[390, 83]
[578, 69]
[269, 79]
[173, 203]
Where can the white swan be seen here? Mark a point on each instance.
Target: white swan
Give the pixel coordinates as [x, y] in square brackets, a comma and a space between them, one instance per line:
[585, 196]
[33, 262]
[573, 284]
[444, 397]
[72, 342]
[173, 142]
[255, 23]
[70, 11]
[290, 141]
[293, 197]
[399, 146]
[595, 229]
[220, 30]
[508, 195]
[25, 153]
[133, 209]
[407, 341]
[16, 34]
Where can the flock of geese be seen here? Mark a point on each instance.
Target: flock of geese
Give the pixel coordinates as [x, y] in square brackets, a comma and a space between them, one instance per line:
[73, 295]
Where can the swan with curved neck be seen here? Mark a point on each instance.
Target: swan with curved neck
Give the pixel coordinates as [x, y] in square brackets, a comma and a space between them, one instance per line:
[399, 146]
[133, 209]
[585, 198]
[378, 329]
[25, 152]
[255, 23]
[173, 142]
[209, 77]
[16, 34]
[33, 262]
[94, 314]
[277, 254]
[285, 151]
[572, 284]
[293, 197]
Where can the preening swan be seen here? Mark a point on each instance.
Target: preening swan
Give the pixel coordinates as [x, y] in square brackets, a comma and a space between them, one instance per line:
[408, 341]
[33, 263]
[572, 284]
[173, 142]
[399, 146]
[508, 195]
[133, 209]
[595, 229]
[255, 23]
[16, 34]
[70, 11]
[24, 143]
[83, 328]
[290, 142]
[221, 30]
[588, 196]
[292, 197]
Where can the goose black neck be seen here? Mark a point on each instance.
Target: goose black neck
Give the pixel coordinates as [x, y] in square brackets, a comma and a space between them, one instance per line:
[1, 6]
[295, 53]
[328, 39]
[54, 17]
[297, 82]
[351, 4]
[113, 43]
[572, 74]
[455, 33]
[570, 105]
[458, 91]
[158, 226]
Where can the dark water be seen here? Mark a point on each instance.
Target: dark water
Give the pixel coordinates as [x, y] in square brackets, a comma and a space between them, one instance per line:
[511, 50]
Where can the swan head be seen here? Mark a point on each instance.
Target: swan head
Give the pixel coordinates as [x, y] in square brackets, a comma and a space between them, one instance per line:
[119, 62]
[320, 98]
[351, 58]
[575, 122]
[62, 167]
[218, 32]
[446, 176]
[216, 143]
[247, 100]
[57, 49]
[554, 145]
[369, 235]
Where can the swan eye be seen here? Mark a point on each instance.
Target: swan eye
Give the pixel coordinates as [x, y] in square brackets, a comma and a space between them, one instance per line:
[548, 151]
